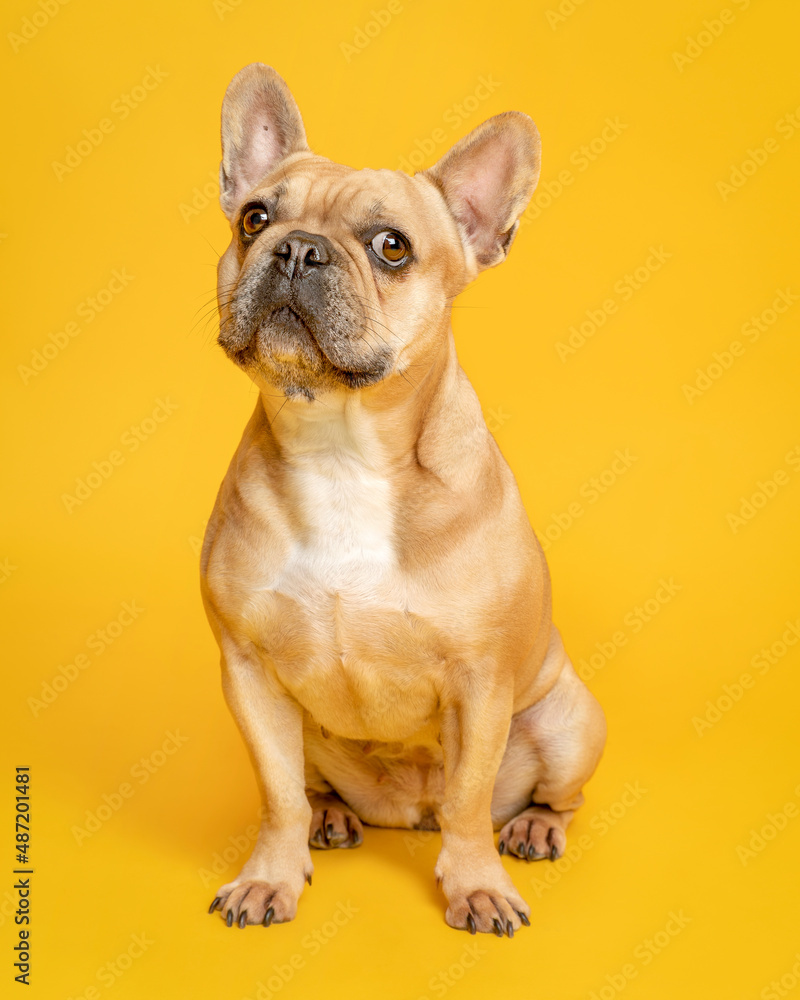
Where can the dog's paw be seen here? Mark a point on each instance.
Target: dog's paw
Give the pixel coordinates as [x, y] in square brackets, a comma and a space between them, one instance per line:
[480, 894]
[488, 912]
[535, 834]
[335, 826]
[253, 902]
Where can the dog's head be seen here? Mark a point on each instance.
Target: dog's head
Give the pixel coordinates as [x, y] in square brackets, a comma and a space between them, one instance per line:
[338, 278]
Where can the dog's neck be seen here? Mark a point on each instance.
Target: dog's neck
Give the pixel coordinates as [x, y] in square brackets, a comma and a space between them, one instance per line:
[379, 426]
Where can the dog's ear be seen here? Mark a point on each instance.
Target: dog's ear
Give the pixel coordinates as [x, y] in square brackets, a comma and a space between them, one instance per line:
[260, 126]
[487, 180]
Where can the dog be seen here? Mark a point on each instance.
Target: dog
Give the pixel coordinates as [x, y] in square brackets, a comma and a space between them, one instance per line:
[381, 603]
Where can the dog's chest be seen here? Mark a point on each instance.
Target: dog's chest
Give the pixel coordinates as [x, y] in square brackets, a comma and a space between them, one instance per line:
[344, 541]
[341, 636]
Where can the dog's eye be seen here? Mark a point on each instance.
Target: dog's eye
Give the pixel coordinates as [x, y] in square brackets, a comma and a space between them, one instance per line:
[254, 220]
[391, 247]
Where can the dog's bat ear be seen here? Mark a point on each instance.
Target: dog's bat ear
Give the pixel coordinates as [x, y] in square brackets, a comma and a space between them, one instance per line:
[487, 180]
[261, 125]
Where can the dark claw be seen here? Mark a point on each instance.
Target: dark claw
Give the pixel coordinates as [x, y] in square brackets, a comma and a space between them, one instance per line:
[215, 904]
[329, 830]
[268, 916]
[531, 853]
[498, 927]
[501, 847]
[308, 879]
[524, 919]
[229, 918]
[243, 919]
[471, 924]
[510, 929]
[521, 849]
[358, 840]
[554, 853]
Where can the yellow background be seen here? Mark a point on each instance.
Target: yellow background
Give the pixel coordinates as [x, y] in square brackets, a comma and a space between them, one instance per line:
[673, 848]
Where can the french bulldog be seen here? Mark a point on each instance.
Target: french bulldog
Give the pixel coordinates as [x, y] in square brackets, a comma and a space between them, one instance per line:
[381, 603]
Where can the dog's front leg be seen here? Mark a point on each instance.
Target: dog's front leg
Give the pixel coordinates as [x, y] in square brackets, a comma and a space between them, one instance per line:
[480, 894]
[270, 720]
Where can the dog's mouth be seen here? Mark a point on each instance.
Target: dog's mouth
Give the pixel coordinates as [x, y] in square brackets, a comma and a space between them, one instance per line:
[286, 316]
[287, 338]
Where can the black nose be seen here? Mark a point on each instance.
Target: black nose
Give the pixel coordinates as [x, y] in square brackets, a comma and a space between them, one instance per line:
[299, 252]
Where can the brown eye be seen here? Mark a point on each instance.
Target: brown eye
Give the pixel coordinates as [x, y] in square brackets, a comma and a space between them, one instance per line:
[254, 220]
[390, 247]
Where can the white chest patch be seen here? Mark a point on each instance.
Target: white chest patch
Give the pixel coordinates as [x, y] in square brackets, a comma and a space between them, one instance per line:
[344, 507]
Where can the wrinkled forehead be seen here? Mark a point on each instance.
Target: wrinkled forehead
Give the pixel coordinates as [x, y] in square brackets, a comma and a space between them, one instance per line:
[337, 200]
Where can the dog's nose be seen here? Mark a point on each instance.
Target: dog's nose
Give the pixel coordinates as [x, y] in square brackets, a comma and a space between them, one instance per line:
[300, 252]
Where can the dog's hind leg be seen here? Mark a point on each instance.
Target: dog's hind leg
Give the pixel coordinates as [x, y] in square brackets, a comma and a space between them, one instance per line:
[333, 822]
[553, 749]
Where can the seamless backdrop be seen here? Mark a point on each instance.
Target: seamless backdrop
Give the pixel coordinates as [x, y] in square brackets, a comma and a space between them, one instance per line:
[637, 360]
